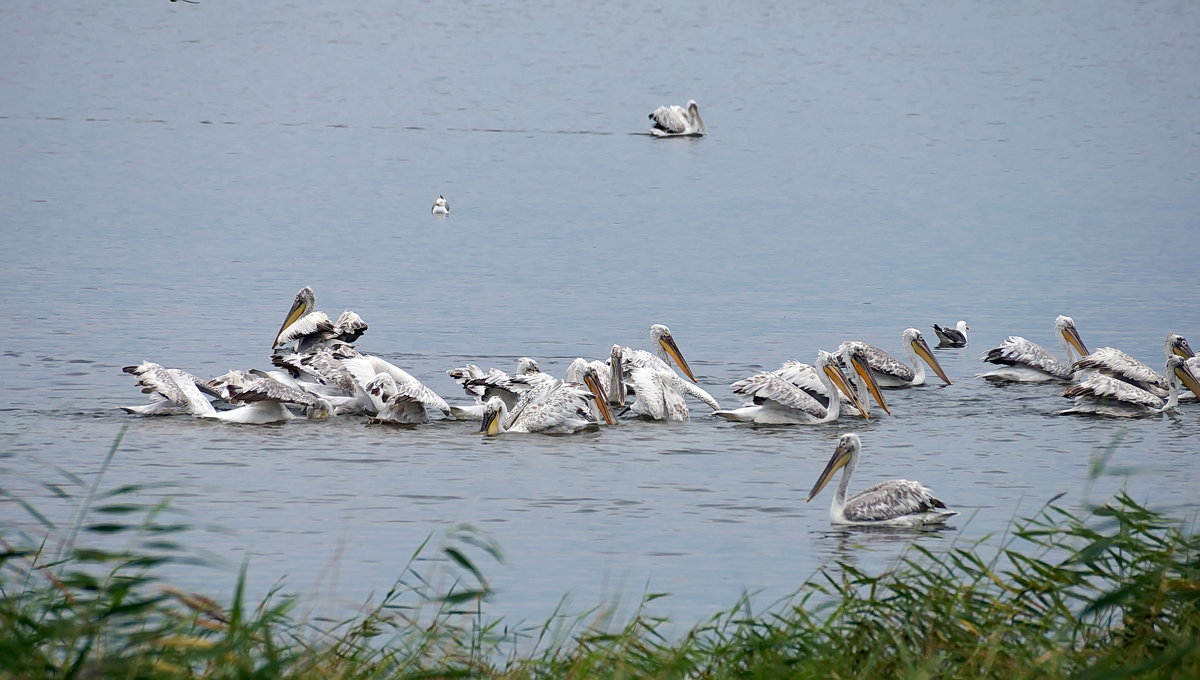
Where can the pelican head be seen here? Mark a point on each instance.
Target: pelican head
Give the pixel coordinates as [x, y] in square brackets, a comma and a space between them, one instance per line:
[1065, 326]
[661, 335]
[863, 369]
[847, 450]
[494, 413]
[527, 366]
[829, 364]
[694, 111]
[304, 303]
[914, 339]
[1178, 345]
[591, 380]
[1179, 371]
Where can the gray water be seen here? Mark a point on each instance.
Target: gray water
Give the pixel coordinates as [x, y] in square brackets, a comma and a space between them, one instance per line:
[173, 173]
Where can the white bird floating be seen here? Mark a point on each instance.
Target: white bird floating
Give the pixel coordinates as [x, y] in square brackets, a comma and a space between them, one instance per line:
[550, 407]
[1102, 394]
[659, 391]
[952, 337]
[441, 206]
[1023, 361]
[776, 401]
[897, 502]
[676, 121]
[890, 371]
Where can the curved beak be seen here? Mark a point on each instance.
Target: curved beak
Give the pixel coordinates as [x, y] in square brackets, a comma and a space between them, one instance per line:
[868, 378]
[839, 379]
[1072, 337]
[667, 342]
[922, 349]
[1185, 375]
[840, 457]
[299, 309]
[592, 381]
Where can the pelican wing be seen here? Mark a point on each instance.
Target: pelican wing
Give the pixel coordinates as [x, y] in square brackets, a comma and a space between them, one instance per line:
[1017, 351]
[658, 394]
[673, 119]
[763, 387]
[552, 407]
[350, 326]
[321, 364]
[173, 385]
[889, 500]
[1101, 387]
[879, 360]
[267, 388]
[314, 325]
[1120, 365]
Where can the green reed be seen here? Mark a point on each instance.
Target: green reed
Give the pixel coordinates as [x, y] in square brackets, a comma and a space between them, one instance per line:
[1107, 591]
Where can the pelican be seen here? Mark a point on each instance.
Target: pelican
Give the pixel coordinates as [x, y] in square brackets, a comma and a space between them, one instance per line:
[779, 402]
[1023, 361]
[898, 502]
[667, 349]
[890, 371]
[440, 206]
[1178, 345]
[1119, 365]
[366, 369]
[483, 386]
[556, 407]
[402, 402]
[309, 328]
[1104, 395]
[952, 337]
[676, 121]
[266, 401]
[172, 391]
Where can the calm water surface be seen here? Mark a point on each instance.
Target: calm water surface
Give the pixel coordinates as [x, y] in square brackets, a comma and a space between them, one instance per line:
[173, 174]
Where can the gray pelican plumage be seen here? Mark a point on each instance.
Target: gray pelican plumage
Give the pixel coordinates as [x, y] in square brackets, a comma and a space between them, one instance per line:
[890, 371]
[1023, 361]
[666, 350]
[482, 386]
[551, 407]
[308, 328]
[677, 121]
[366, 369]
[440, 206]
[777, 401]
[898, 502]
[1117, 364]
[403, 403]
[952, 337]
[266, 401]
[1105, 395]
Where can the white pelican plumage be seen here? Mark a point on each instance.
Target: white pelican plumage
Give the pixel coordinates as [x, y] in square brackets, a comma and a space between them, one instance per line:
[666, 350]
[172, 391]
[1178, 345]
[483, 386]
[440, 206]
[366, 369]
[266, 401]
[1023, 361]
[1104, 395]
[677, 121]
[309, 328]
[890, 371]
[898, 502]
[402, 402]
[952, 337]
[657, 394]
[780, 402]
[556, 407]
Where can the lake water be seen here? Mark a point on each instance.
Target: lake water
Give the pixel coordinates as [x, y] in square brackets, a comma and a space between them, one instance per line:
[173, 173]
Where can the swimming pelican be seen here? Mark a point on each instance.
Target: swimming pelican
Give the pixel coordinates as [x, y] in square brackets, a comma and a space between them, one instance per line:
[952, 337]
[551, 407]
[440, 206]
[483, 386]
[366, 369]
[676, 121]
[266, 401]
[657, 393]
[890, 371]
[779, 402]
[172, 391]
[1023, 361]
[1117, 364]
[1104, 395]
[402, 402]
[667, 349]
[898, 502]
[309, 328]
[1178, 345]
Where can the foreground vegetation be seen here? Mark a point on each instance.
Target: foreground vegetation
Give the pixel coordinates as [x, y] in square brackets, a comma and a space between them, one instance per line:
[1112, 591]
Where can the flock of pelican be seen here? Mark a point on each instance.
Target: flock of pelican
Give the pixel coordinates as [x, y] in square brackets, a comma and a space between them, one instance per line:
[319, 373]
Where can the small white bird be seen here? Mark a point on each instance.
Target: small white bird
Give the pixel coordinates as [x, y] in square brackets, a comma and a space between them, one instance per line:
[440, 206]
[676, 121]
